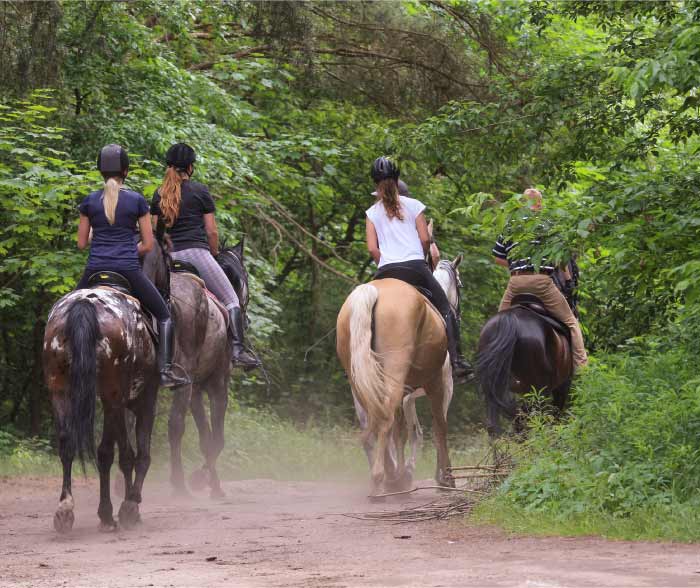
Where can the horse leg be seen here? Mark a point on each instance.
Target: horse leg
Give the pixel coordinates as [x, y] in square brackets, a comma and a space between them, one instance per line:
[127, 463]
[368, 439]
[105, 458]
[439, 392]
[176, 429]
[394, 396]
[218, 403]
[145, 417]
[200, 478]
[414, 429]
[560, 397]
[63, 518]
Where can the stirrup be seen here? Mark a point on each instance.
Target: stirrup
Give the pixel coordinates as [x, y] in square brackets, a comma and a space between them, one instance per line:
[169, 380]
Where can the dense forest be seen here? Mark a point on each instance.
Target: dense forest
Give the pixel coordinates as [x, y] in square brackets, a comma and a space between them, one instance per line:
[287, 103]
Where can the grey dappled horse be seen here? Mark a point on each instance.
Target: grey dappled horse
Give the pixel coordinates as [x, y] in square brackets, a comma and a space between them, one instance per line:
[203, 350]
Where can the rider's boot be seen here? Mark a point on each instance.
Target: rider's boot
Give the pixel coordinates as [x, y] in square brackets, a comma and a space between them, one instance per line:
[166, 340]
[460, 366]
[240, 354]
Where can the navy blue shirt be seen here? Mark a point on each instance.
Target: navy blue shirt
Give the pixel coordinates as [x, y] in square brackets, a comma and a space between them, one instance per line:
[188, 231]
[113, 247]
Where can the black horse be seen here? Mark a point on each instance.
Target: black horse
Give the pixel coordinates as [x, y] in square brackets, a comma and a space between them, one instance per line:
[521, 349]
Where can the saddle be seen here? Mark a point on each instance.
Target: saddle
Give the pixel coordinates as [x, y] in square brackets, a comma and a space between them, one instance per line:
[184, 267]
[536, 306]
[188, 269]
[112, 280]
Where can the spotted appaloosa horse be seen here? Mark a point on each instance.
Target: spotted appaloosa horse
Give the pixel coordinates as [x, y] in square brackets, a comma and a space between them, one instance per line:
[387, 349]
[96, 343]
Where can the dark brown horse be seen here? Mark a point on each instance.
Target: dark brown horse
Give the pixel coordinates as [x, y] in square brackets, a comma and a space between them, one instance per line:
[203, 350]
[96, 343]
[520, 350]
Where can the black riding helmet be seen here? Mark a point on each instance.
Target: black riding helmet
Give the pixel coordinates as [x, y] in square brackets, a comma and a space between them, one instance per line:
[383, 168]
[112, 159]
[180, 156]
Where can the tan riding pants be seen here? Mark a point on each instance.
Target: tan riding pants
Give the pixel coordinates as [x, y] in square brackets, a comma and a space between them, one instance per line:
[542, 286]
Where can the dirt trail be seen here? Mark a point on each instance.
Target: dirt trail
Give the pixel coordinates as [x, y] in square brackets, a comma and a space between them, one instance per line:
[290, 534]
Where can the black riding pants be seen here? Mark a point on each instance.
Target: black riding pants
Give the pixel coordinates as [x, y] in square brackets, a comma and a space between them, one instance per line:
[141, 286]
[417, 273]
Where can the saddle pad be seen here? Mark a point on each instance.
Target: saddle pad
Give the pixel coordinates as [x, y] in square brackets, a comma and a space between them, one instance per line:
[194, 277]
[218, 304]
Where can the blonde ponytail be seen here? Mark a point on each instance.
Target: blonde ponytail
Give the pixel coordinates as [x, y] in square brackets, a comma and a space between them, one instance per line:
[170, 195]
[110, 198]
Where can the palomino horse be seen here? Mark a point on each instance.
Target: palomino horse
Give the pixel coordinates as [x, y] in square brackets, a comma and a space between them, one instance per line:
[387, 349]
[96, 342]
[203, 350]
[520, 350]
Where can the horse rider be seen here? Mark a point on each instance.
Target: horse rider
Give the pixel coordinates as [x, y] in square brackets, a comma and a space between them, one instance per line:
[188, 212]
[398, 241]
[112, 214]
[525, 279]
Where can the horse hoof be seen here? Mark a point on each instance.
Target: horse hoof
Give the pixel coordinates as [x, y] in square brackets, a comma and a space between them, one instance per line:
[199, 479]
[129, 515]
[217, 493]
[63, 520]
[108, 526]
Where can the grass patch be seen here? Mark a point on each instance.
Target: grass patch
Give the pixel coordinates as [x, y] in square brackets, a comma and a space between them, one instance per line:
[259, 444]
[27, 457]
[676, 522]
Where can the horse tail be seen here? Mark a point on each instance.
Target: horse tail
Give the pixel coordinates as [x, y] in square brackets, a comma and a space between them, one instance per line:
[82, 333]
[495, 359]
[366, 371]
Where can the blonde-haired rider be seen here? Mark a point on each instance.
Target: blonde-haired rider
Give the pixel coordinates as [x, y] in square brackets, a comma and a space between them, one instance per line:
[525, 280]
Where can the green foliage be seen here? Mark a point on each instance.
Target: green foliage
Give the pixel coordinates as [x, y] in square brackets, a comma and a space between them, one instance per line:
[629, 447]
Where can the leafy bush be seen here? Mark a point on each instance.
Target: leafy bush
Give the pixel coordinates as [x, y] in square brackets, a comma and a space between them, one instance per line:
[631, 446]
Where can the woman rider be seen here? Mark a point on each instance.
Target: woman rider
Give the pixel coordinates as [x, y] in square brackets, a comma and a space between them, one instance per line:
[187, 209]
[113, 214]
[398, 240]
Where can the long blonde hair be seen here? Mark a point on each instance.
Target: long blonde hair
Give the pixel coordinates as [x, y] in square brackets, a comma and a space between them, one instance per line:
[170, 194]
[110, 197]
[388, 191]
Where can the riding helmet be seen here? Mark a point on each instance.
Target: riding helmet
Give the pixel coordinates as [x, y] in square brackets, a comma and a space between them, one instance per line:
[383, 168]
[112, 159]
[180, 156]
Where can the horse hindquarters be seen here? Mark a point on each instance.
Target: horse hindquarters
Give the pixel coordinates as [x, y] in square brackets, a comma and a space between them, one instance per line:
[496, 346]
[73, 401]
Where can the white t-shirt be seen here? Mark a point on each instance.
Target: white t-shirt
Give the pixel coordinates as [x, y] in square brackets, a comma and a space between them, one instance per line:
[398, 239]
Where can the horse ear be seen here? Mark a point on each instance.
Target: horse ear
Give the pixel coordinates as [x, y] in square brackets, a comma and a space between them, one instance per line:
[238, 248]
[457, 261]
[430, 227]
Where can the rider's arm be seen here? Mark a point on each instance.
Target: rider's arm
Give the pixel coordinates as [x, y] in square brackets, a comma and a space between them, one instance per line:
[423, 233]
[372, 240]
[212, 233]
[83, 232]
[146, 230]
